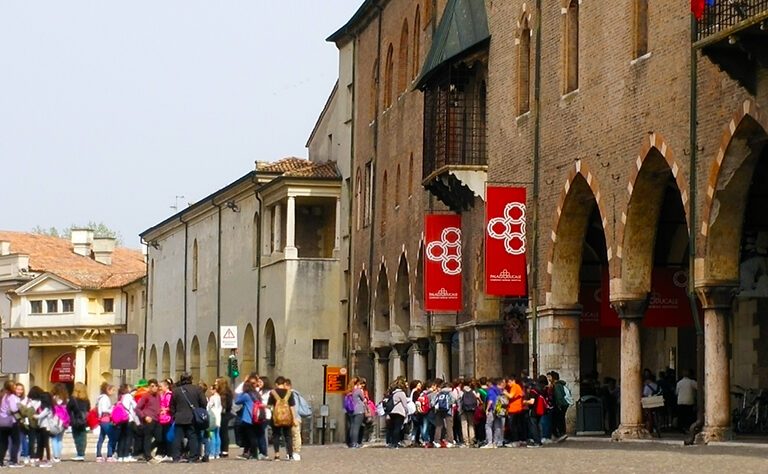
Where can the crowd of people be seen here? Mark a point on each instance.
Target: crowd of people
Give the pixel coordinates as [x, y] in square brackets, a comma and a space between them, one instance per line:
[486, 413]
[153, 421]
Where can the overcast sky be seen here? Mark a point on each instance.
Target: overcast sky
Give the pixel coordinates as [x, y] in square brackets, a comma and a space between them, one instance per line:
[109, 110]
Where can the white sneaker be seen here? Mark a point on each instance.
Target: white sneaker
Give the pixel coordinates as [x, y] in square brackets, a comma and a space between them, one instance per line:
[296, 457]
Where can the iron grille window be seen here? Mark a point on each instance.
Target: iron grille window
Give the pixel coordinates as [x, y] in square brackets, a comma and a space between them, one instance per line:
[727, 13]
[454, 120]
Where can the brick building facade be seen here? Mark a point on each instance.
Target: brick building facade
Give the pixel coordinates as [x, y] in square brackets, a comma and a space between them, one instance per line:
[589, 107]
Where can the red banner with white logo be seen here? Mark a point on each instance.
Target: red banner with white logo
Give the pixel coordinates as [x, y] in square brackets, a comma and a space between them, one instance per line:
[505, 241]
[442, 262]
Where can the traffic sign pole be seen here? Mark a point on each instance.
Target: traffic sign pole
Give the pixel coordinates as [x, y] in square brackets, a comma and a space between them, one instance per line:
[325, 372]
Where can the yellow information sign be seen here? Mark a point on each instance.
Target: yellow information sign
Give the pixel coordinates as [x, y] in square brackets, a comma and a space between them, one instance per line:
[336, 380]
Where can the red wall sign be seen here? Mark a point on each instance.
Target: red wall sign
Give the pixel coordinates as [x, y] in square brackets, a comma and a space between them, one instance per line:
[505, 241]
[64, 369]
[668, 305]
[442, 262]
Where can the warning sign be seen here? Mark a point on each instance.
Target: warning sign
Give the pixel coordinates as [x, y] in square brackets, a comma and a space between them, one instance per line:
[228, 337]
[336, 380]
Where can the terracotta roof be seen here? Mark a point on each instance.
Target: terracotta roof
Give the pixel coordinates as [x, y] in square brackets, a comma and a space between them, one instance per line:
[300, 168]
[281, 166]
[55, 255]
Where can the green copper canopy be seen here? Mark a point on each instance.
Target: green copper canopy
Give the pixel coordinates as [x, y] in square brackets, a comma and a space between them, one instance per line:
[464, 25]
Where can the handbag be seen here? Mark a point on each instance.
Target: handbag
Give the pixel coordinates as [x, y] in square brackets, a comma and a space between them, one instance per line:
[171, 434]
[199, 414]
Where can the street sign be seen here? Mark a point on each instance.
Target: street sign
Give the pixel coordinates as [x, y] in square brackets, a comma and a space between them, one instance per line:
[336, 380]
[125, 351]
[228, 337]
[15, 355]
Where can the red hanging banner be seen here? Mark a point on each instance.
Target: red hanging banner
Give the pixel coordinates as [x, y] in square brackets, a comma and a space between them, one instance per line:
[505, 241]
[442, 262]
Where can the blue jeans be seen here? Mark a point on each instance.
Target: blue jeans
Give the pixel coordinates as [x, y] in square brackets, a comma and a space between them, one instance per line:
[215, 443]
[546, 426]
[425, 438]
[56, 444]
[105, 433]
[24, 441]
[205, 440]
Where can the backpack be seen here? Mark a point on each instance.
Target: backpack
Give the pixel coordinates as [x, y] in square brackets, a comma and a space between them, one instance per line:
[258, 411]
[389, 404]
[441, 403]
[567, 395]
[422, 403]
[119, 413]
[500, 407]
[78, 417]
[349, 404]
[302, 407]
[540, 407]
[92, 418]
[281, 413]
[468, 401]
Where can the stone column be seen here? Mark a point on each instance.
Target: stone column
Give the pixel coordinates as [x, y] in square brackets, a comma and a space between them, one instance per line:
[276, 228]
[631, 313]
[487, 340]
[419, 361]
[337, 230]
[443, 355]
[381, 381]
[400, 366]
[290, 229]
[559, 349]
[80, 364]
[716, 301]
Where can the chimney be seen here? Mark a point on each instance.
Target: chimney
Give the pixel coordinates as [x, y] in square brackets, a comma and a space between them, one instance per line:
[81, 241]
[5, 247]
[103, 247]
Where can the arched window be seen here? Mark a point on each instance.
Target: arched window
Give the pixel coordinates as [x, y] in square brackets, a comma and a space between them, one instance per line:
[271, 344]
[402, 73]
[524, 70]
[388, 73]
[383, 226]
[194, 265]
[641, 28]
[397, 186]
[572, 46]
[410, 175]
[256, 233]
[358, 198]
[416, 44]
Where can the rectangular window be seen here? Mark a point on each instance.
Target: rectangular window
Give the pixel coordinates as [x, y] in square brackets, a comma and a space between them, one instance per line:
[51, 306]
[93, 306]
[133, 302]
[36, 307]
[319, 348]
[143, 298]
[68, 306]
[109, 305]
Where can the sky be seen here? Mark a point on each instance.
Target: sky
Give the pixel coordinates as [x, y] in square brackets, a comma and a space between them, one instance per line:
[110, 110]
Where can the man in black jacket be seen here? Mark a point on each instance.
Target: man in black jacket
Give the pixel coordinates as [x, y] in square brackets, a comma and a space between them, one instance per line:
[185, 398]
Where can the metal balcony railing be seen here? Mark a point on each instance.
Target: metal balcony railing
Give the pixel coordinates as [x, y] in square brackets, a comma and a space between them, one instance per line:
[726, 14]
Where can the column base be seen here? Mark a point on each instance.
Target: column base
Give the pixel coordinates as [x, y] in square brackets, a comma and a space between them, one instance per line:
[714, 433]
[630, 432]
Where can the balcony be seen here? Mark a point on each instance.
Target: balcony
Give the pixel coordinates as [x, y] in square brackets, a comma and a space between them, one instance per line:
[455, 159]
[734, 34]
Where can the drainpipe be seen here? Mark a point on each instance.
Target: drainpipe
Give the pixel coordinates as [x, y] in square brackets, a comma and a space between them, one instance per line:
[146, 314]
[535, 211]
[218, 284]
[186, 264]
[372, 184]
[699, 424]
[350, 216]
[258, 273]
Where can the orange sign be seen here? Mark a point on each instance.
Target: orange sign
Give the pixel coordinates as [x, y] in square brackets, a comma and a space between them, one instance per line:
[336, 379]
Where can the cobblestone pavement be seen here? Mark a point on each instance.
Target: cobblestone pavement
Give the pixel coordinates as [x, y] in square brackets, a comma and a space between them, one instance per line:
[567, 457]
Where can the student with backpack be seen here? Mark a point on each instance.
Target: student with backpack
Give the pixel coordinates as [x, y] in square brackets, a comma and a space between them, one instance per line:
[9, 428]
[355, 405]
[468, 404]
[495, 414]
[253, 420]
[78, 407]
[396, 410]
[563, 400]
[415, 388]
[536, 404]
[104, 412]
[443, 406]
[283, 405]
[302, 410]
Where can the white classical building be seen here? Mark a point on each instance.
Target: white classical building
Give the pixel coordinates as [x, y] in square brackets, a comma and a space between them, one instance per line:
[261, 254]
[68, 297]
